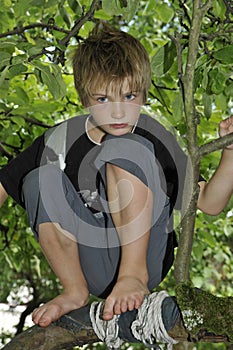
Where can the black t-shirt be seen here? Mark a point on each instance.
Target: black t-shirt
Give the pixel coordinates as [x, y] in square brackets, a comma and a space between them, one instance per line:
[170, 156]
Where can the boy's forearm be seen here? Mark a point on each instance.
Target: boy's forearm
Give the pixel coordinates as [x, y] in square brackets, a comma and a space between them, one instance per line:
[215, 195]
[3, 194]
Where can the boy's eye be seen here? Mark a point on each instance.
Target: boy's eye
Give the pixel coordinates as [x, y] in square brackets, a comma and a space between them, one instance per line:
[102, 99]
[129, 97]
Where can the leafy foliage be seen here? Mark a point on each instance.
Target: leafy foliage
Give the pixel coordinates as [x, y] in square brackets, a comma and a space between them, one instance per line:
[37, 38]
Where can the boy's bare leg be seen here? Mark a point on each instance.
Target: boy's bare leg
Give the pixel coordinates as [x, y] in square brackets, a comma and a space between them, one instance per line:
[3, 194]
[131, 205]
[62, 255]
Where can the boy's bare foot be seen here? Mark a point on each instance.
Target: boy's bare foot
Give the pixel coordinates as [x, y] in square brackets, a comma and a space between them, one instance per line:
[128, 294]
[54, 309]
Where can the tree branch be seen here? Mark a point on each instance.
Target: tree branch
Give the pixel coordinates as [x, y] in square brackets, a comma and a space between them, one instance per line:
[27, 119]
[20, 30]
[80, 22]
[75, 328]
[58, 53]
[74, 31]
[216, 145]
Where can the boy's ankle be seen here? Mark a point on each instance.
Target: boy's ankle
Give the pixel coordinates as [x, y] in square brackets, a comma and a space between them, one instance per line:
[80, 298]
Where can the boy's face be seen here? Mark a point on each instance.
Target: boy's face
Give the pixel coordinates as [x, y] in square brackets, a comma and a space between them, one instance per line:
[115, 111]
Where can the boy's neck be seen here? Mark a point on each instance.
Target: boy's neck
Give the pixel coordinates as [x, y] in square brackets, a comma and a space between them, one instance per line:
[94, 133]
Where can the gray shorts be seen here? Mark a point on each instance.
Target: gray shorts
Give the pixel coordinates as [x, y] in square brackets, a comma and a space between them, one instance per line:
[49, 196]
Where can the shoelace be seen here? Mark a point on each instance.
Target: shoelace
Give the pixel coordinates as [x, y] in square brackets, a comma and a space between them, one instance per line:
[147, 328]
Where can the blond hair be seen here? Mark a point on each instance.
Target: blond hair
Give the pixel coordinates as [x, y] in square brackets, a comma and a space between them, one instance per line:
[110, 55]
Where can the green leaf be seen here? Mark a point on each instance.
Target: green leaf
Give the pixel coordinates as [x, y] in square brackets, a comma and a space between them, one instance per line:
[60, 82]
[198, 250]
[17, 69]
[65, 15]
[131, 8]
[207, 103]
[3, 75]
[18, 59]
[75, 6]
[21, 93]
[219, 9]
[229, 90]
[111, 7]
[29, 38]
[178, 106]
[163, 59]
[169, 55]
[21, 7]
[52, 77]
[19, 121]
[5, 59]
[225, 55]
[157, 62]
[7, 46]
[221, 101]
[164, 12]
[100, 14]
[149, 8]
[120, 7]
[216, 81]
[48, 79]
[208, 238]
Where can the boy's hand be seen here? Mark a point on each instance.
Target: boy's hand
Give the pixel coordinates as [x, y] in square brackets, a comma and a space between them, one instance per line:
[128, 294]
[225, 128]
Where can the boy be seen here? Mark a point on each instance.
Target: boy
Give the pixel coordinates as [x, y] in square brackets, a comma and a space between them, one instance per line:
[99, 189]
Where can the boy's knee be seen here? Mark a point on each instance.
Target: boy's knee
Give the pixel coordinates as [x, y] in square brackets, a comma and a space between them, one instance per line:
[34, 180]
[130, 139]
[30, 182]
[132, 153]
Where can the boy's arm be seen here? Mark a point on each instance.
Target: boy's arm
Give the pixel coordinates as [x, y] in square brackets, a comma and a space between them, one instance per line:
[3, 194]
[215, 194]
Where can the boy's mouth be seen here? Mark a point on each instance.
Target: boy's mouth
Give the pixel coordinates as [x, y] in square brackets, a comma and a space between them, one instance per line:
[119, 125]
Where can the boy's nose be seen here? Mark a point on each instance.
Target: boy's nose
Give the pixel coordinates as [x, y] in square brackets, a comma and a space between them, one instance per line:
[117, 110]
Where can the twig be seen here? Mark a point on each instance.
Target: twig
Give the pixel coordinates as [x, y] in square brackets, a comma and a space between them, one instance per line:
[163, 102]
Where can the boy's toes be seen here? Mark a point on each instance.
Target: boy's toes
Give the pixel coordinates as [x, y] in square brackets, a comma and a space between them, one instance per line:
[45, 321]
[108, 310]
[44, 316]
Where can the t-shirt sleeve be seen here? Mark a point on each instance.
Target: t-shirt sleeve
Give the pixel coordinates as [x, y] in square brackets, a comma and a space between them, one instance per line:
[11, 175]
